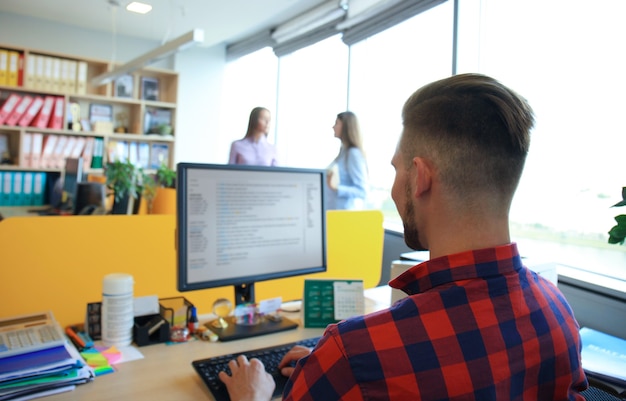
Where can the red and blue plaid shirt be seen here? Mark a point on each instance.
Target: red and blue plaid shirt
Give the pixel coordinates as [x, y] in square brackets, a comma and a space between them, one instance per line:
[476, 325]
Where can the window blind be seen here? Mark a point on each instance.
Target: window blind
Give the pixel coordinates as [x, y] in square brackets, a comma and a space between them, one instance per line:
[358, 28]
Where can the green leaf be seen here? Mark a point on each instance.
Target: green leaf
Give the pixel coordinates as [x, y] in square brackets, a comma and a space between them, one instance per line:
[617, 234]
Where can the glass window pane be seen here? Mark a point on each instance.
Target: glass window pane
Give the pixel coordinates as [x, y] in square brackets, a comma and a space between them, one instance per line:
[312, 90]
[566, 59]
[249, 81]
[384, 71]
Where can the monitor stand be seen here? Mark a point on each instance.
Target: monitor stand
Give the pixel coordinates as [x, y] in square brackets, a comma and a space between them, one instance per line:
[236, 331]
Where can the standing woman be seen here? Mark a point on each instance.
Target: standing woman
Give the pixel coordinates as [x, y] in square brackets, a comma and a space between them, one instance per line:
[254, 149]
[347, 174]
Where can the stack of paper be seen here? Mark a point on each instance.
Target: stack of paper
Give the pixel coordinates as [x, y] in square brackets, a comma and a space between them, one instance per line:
[604, 356]
[40, 373]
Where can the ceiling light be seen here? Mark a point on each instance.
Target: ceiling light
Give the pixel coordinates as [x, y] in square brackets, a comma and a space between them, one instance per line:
[175, 45]
[139, 8]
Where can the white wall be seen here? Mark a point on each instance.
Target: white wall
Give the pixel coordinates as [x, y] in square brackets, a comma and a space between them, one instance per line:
[200, 75]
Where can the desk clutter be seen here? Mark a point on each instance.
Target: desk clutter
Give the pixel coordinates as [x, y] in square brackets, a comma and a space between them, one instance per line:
[35, 366]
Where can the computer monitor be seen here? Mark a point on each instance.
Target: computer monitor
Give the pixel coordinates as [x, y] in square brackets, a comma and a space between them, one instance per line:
[238, 225]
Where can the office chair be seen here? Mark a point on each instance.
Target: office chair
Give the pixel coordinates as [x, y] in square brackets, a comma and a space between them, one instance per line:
[599, 391]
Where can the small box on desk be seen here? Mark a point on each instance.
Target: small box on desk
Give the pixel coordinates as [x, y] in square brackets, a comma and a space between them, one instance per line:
[151, 329]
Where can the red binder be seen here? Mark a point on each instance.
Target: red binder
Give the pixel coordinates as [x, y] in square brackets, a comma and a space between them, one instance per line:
[56, 120]
[42, 119]
[19, 110]
[31, 112]
[8, 106]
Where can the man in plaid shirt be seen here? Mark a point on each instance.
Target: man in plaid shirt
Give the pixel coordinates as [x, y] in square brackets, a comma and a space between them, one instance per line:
[477, 324]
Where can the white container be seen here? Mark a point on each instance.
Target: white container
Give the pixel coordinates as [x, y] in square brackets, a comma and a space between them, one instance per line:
[117, 309]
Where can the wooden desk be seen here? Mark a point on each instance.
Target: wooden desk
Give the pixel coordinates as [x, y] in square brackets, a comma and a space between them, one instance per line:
[165, 372]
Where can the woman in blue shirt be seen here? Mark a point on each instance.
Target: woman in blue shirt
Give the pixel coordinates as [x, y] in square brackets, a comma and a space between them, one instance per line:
[347, 174]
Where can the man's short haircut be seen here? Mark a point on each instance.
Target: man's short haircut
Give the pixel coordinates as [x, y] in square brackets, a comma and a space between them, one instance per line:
[475, 130]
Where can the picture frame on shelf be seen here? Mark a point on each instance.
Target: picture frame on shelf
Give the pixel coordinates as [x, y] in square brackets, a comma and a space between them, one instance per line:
[156, 119]
[85, 124]
[149, 88]
[100, 112]
[124, 86]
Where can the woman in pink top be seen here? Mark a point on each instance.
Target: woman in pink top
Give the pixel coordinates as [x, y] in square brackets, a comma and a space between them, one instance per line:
[254, 149]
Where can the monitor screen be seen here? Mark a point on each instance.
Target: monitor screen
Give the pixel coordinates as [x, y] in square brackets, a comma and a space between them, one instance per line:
[237, 225]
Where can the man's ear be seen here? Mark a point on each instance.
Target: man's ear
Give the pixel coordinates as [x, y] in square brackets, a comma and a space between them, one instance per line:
[423, 178]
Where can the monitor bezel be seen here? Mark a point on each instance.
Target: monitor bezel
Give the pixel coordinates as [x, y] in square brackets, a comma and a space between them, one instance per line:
[182, 170]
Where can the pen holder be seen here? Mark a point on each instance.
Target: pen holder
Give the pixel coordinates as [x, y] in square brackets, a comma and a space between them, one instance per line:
[176, 311]
[151, 329]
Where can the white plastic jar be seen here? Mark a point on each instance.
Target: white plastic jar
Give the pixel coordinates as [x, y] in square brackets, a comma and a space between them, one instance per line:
[117, 309]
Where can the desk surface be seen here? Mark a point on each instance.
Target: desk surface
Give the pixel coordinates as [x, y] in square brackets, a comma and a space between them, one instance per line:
[165, 372]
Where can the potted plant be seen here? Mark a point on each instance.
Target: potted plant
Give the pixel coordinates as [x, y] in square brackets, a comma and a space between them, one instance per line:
[123, 179]
[617, 234]
[159, 190]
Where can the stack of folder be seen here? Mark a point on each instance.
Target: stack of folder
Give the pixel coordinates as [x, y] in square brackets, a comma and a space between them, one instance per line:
[40, 373]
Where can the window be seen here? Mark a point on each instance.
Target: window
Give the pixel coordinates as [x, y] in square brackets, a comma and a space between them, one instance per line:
[384, 71]
[563, 57]
[312, 90]
[249, 81]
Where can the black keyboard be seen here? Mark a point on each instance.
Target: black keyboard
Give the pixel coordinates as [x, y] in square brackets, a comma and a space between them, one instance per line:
[209, 368]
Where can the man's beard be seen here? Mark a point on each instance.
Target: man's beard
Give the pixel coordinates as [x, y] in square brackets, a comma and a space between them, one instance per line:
[411, 234]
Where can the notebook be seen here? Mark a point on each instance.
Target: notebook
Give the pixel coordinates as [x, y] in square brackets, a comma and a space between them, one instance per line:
[28, 333]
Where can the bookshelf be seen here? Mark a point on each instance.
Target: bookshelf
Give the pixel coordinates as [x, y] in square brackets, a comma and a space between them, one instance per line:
[123, 119]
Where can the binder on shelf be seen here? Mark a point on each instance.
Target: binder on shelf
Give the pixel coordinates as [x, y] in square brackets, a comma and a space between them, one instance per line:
[36, 150]
[26, 147]
[31, 112]
[4, 63]
[67, 150]
[13, 68]
[27, 188]
[88, 151]
[72, 67]
[1, 186]
[81, 78]
[57, 155]
[78, 148]
[58, 111]
[39, 71]
[98, 153]
[43, 117]
[17, 197]
[6, 195]
[19, 110]
[47, 154]
[143, 155]
[31, 72]
[8, 106]
[47, 73]
[133, 153]
[39, 186]
[56, 75]
[20, 69]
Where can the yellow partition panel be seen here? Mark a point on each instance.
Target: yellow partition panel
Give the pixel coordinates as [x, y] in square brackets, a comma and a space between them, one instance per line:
[58, 262]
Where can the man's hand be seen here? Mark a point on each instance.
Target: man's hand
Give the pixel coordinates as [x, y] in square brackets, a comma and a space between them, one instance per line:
[249, 380]
[293, 355]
